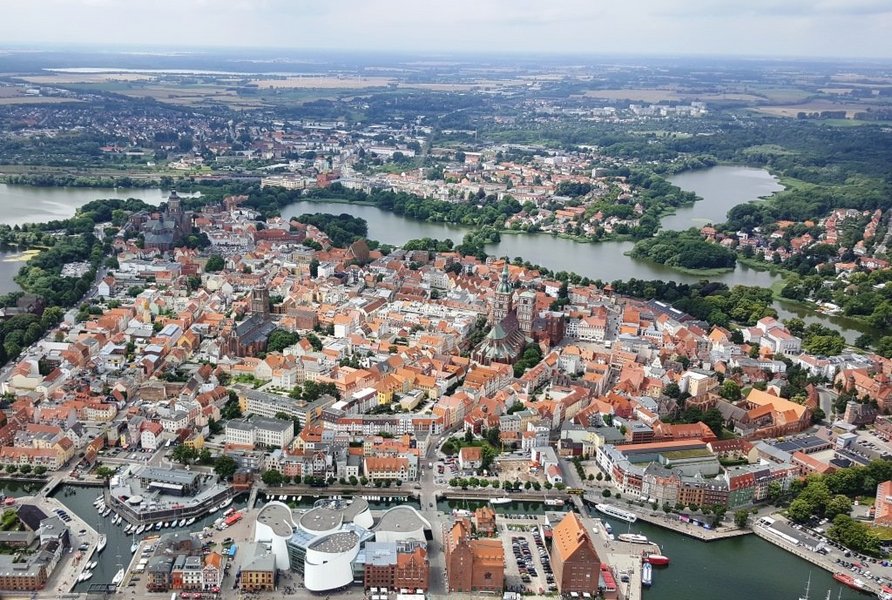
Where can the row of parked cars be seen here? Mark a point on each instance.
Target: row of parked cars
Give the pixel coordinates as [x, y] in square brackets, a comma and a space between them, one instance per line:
[861, 569]
[63, 515]
[524, 558]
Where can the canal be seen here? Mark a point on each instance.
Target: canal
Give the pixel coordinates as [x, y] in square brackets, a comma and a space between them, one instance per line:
[17, 489]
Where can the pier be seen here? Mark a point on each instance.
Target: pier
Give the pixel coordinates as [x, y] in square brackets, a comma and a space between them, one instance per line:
[819, 560]
[671, 522]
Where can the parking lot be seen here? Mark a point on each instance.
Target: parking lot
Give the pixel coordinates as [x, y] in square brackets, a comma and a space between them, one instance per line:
[528, 567]
[812, 539]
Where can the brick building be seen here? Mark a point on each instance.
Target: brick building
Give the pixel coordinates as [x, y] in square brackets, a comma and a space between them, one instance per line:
[473, 565]
[575, 562]
[395, 566]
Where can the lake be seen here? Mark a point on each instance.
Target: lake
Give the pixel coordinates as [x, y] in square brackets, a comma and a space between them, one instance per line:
[606, 261]
[10, 263]
[721, 188]
[21, 204]
[29, 204]
[384, 226]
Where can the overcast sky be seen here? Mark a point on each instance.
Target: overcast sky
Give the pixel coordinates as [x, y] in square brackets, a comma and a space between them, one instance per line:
[806, 28]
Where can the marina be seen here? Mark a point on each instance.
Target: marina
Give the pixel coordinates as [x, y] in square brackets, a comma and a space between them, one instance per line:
[80, 501]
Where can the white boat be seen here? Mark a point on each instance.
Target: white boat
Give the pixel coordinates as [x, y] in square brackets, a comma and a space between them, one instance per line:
[134, 547]
[182, 523]
[85, 575]
[190, 521]
[128, 529]
[117, 520]
[226, 503]
[646, 575]
[106, 512]
[103, 540]
[119, 577]
[617, 513]
[633, 538]
[140, 529]
[158, 525]
[99, 500]
[554, 502]
[92, 565]
[502, 500]
[299, 498]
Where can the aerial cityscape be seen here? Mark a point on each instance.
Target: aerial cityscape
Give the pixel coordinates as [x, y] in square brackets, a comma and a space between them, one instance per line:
[388, 301]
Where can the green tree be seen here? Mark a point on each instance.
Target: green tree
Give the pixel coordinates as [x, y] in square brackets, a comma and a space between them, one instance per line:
[799, 511]
[184, 454]
[215, 264]
[272, 478]
[837, 505]
[280, 339]
[104, 472]
[741, 518]
[730, 390]
[225, 467]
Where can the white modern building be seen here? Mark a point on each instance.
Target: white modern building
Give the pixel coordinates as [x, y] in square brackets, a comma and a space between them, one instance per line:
[325, 544]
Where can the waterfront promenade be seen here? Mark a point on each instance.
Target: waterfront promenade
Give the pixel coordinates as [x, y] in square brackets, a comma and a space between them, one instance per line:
[825, 562]
[671, 521]
[71, 564]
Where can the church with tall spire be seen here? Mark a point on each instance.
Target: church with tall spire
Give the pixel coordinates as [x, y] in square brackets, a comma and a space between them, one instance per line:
[506, 340]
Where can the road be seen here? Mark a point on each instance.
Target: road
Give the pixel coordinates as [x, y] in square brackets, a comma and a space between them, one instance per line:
[826, 397]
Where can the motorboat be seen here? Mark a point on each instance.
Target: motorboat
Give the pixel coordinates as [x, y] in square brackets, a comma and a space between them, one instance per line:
[119, 577]
[190, 521]
[502, 500]
[103, 541]
[140, 529]
[633, 538]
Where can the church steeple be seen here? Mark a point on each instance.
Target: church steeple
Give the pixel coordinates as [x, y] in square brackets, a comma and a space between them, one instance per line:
[502, 302]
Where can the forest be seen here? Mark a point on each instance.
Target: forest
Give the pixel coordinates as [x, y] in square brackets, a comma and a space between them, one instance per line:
[684, 249]
[342, 229]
